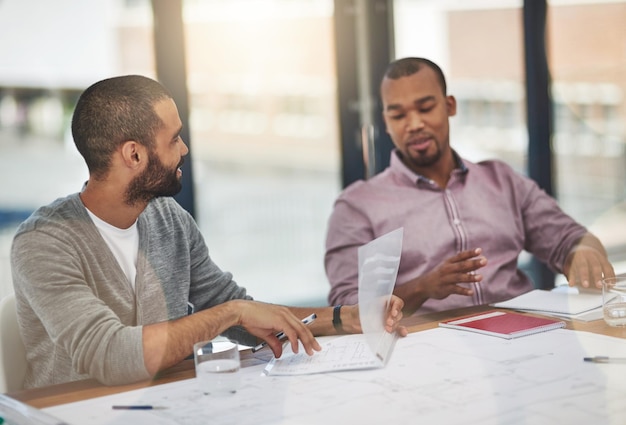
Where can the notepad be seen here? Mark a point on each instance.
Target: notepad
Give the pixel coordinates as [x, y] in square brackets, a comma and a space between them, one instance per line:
[503, 324]
[554, 303]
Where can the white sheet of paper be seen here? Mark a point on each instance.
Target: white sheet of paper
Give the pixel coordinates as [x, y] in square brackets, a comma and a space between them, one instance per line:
[562, 303]
[378, 268]
[379, 261]
[438, 376]
[348, 352]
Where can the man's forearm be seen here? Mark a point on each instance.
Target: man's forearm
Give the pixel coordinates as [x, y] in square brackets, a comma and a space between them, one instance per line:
[167, 343]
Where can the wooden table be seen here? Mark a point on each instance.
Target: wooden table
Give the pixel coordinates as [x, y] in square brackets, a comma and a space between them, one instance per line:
[82, 390]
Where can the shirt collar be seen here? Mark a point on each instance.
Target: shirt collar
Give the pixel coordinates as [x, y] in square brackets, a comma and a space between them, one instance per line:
[397, 165]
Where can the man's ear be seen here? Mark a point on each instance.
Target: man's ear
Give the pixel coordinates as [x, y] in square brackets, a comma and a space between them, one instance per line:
[133, 153]
[451, 105]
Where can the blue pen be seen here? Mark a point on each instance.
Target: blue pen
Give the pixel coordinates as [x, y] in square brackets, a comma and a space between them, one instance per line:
[280, 335]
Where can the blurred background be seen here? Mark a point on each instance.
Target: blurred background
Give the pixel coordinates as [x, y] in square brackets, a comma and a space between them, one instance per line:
[264, 84]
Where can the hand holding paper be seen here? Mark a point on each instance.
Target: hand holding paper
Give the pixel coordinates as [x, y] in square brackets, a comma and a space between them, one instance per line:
[394, 316]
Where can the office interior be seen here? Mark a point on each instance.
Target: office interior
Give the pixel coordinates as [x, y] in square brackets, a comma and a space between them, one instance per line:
[281, 110]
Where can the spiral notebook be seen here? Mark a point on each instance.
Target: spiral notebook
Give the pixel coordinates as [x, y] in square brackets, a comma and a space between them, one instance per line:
[503, 324]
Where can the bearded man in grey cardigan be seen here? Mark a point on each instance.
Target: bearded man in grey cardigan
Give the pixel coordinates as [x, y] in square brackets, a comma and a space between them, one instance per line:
[104, 279]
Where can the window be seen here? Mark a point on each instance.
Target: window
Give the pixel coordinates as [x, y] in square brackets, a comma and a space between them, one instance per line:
[43, 69]
[264, 140]
[589, 91]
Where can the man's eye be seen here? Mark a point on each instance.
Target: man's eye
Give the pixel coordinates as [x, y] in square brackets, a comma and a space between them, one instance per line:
[396, 117]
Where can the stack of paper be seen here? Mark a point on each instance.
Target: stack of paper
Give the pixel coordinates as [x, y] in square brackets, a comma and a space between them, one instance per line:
[579, 306]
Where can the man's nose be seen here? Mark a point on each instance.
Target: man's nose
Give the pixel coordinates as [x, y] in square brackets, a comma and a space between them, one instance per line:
[185, 149]
[415, 121]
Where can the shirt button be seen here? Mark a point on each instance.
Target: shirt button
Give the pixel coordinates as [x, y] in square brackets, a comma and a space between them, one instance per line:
[457, 222]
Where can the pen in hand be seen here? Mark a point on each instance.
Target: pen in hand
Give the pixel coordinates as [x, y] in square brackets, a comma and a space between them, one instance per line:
[280, 335]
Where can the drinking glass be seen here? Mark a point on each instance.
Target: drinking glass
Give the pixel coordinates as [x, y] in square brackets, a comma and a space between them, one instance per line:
[217, 367]
[614, 300]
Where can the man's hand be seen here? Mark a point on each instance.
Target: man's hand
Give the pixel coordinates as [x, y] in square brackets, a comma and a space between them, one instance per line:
[586, 267]
[394, 315]
[444, 280]
[265, 320]
[461, 268]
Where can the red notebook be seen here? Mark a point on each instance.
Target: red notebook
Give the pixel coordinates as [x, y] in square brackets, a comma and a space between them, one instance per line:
[503, 324]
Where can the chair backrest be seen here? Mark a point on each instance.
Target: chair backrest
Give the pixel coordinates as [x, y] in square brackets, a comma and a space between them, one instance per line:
[12, 352]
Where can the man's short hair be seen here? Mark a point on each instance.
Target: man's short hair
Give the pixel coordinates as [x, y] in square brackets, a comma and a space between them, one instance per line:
[113, 111]
[408, 66]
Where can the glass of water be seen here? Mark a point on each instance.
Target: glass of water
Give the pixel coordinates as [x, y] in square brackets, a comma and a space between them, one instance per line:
[217, 367]
[614, 300]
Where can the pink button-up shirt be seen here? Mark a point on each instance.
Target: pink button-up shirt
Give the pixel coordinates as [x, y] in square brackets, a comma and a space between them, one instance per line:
[485, 205]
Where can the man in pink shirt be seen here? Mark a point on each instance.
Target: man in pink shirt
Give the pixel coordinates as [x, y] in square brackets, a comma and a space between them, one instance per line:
[465, 223]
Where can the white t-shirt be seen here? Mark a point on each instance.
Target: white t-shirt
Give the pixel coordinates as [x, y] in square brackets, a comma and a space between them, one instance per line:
[123, 243]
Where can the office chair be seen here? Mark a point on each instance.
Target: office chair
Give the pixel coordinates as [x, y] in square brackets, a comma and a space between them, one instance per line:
[12, 352]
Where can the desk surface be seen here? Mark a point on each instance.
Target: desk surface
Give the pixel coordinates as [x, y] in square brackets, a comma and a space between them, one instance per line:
[82, 390]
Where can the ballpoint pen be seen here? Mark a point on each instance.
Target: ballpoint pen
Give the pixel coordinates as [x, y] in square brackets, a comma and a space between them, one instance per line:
[605, 359]
[307, 320]
[137, 407]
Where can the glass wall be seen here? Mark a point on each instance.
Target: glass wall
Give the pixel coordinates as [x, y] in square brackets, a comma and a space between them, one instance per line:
[264, 137]
[589, 77]
[262, 83]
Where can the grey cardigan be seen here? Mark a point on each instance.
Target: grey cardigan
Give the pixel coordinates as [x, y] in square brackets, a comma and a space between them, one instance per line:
[78, 316]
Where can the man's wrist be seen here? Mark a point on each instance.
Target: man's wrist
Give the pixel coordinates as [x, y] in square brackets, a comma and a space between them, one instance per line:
[337, 322]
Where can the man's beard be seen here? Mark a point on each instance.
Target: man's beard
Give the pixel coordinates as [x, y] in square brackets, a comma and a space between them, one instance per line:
[421, 161]
[156, 180]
